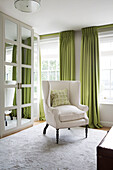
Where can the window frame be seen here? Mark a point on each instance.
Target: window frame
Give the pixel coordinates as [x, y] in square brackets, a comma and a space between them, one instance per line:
[103, 38]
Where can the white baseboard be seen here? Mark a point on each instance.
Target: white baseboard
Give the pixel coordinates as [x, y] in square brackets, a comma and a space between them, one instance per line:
[106, 124]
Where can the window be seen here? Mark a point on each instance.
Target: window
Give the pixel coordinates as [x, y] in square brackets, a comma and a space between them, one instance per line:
[106, 67]
[50, 59]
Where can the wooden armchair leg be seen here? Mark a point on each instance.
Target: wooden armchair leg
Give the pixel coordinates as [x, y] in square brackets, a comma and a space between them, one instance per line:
[57, 136]
[86, 130]
[44, 131]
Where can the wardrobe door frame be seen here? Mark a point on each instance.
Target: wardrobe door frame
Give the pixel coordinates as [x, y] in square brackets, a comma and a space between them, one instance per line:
[19, 106]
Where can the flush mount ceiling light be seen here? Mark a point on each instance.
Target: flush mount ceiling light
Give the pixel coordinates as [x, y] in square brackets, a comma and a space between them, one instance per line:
[27, 5]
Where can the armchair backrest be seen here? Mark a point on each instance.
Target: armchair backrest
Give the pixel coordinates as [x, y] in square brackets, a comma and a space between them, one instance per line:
[73, 88]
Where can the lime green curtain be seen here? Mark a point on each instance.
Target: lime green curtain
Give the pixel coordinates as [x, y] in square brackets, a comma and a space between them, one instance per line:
[67, 55]
[42, 114]
[89, 74]
[105, 26]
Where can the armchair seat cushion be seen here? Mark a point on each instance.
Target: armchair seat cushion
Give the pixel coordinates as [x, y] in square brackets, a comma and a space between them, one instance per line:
[70, 113]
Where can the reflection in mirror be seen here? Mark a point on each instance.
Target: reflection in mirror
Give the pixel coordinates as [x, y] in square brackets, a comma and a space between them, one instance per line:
[26, 95]
[10, 30]
[26, 56]
[26, 76]
[10, 74]
[26, 36]
[10, 97]
[10, 53]
[10, 119]
[25, 114]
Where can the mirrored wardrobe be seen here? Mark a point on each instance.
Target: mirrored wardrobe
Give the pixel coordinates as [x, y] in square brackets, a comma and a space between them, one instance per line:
[16, 75]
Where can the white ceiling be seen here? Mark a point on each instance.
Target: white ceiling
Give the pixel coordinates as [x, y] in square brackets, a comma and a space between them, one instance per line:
[60, 15]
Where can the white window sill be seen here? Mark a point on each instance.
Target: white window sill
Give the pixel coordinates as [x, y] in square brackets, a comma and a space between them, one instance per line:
[106, 103]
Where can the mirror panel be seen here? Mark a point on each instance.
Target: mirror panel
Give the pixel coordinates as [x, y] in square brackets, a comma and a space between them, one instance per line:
[10, 53]
[26, 95]
[10, 119]
[26, 76]
[10, 74]
[26, 56]
[10, 97]
[25, 115]
[10, 30]
[26, 36]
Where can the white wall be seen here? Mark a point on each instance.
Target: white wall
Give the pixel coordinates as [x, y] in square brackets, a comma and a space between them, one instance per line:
[106, 114]
[106, 110]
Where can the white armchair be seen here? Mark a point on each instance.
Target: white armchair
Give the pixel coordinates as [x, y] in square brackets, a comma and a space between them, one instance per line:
[64, 116]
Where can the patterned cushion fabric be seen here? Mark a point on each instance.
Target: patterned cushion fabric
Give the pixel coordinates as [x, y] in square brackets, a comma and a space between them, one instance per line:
[59, 97]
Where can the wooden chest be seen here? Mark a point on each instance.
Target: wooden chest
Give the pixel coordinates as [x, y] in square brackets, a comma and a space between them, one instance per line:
[105, 152]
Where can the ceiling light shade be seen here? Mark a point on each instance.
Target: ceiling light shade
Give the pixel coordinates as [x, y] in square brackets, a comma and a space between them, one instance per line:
[27, 5]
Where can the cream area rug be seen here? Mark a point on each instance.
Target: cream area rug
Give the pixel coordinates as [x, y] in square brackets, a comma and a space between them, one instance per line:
[31, 150]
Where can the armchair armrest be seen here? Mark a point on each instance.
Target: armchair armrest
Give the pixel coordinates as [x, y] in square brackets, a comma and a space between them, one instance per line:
[52, 115]
[54, 112]
[83, 107]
